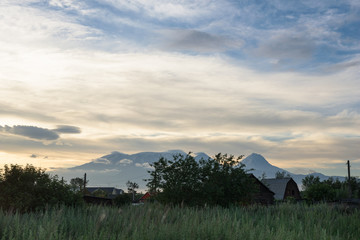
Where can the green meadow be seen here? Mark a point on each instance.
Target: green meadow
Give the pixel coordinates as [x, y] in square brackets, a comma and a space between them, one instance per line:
[155, 221]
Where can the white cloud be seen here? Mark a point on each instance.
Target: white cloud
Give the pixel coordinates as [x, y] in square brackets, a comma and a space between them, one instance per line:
[125, 93]
[102, 161]
[125, 162]
[187, 10]
[144, 165]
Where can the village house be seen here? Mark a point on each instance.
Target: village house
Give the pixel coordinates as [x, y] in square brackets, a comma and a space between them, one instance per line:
[283, 188]
[263, 195]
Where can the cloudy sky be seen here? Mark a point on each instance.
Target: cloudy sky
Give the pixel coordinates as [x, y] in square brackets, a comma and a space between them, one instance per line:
[80, 79]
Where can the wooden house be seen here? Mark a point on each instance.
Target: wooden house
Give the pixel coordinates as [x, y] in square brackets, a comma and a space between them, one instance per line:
[283, 188]
[262, 195]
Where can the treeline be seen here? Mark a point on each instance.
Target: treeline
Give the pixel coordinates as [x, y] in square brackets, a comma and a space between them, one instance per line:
[29, 188]
[330, 189]
[221, 180]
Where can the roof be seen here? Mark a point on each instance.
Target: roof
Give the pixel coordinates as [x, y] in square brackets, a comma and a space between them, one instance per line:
[277, 185]
[258, 181]
[145, 196]
[108, 190]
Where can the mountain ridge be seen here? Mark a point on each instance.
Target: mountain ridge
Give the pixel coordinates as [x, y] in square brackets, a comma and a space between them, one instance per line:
[116, 168]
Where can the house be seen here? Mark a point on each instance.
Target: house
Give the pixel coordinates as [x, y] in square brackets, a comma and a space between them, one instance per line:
[106, 192]
[147, 196]
[283, 188]
[263, 195]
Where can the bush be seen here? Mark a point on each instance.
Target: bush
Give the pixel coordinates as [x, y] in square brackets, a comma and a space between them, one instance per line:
[28, 188]
[123, 199]
[218, 181]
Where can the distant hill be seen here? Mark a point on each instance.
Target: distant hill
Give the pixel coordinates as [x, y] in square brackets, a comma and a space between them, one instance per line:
[260, 165]
[117, 168]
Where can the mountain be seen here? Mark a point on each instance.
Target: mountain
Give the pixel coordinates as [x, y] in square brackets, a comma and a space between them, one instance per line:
[117, 168]
[258, 165]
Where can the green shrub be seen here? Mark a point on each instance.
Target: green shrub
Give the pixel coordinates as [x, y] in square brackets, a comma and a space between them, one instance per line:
[29, 188]
[123, 199]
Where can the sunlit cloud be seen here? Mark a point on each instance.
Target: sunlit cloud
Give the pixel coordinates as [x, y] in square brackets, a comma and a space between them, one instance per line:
[82, 79]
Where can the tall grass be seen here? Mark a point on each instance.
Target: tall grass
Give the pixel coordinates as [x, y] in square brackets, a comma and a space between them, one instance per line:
[153, 221]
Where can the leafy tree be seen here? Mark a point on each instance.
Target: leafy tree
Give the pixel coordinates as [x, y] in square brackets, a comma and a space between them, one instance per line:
[281, 175]
[29, 188]
[320, 192]
[310, 180]
[77, 184]
[330, 189]
[132, 186]
[215, 181]
[224, 181]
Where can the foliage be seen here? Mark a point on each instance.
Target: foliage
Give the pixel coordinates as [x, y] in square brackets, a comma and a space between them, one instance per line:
[29, 188]
[77, 184]
[281, 175]
[154, 221]
[330, 189]
[215, 181]
[122, 199]
[132, 186]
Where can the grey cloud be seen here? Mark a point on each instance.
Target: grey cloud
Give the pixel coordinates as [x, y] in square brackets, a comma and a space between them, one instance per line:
[198, 41]
[67, 129]
[343, 66]
[287, 46]
[31, 132]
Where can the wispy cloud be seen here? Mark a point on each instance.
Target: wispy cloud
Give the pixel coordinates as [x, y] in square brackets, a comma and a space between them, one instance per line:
[80, 78]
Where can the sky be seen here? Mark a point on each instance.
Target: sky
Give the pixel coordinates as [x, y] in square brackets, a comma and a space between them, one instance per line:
[80, 79]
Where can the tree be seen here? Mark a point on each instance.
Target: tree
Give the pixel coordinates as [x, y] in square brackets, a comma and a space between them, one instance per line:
[263, 176]
[29, 188]
[216, 181]
[328, 190]
[77, 184]
[281, 175]
[309, 180]
[132, 186]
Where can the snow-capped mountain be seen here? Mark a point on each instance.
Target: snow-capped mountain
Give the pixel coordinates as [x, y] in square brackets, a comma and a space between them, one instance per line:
[258, 166]
[117, 168]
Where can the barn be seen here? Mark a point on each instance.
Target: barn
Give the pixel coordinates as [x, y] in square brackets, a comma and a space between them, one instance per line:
[283, 188]
[263, 195]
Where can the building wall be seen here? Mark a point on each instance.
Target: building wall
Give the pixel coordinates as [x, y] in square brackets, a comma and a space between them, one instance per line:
[292, 190]
[263, 195]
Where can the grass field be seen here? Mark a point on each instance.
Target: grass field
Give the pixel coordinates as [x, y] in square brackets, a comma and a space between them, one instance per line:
[153, 221]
